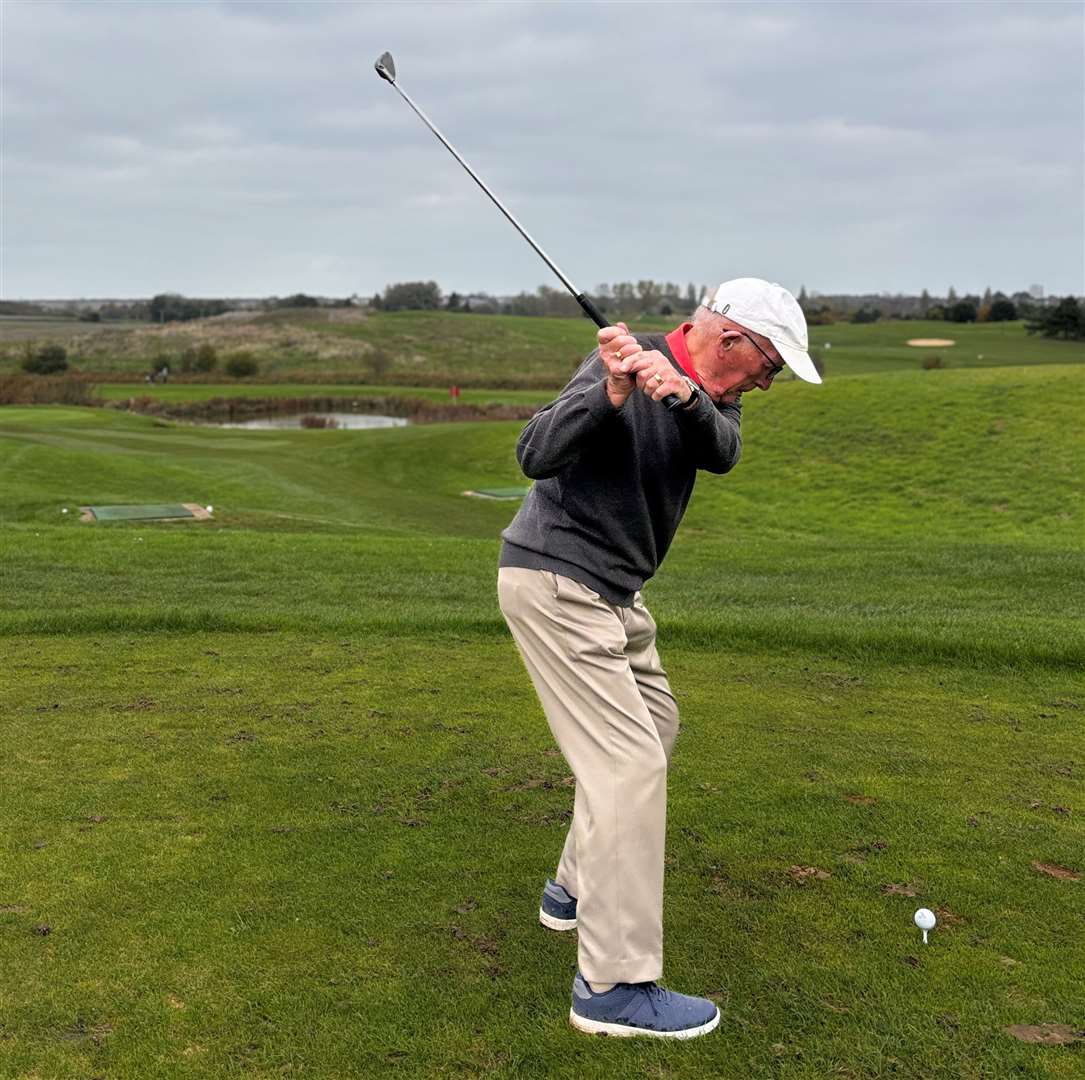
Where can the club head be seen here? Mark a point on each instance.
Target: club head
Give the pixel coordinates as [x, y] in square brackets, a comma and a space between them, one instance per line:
[386, 67]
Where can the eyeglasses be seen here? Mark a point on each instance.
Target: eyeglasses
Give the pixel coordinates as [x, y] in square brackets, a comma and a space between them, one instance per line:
[774, 369]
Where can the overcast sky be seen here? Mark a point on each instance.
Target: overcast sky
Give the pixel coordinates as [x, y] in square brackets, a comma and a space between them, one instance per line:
[249, 149]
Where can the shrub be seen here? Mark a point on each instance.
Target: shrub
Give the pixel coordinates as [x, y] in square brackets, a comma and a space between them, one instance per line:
[56, 390]
[206, 357]
[931, 363]
[378, 363]
[242, 365]
[47, 360]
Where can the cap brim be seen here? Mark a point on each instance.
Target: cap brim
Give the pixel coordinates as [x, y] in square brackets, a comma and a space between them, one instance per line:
[798, 361]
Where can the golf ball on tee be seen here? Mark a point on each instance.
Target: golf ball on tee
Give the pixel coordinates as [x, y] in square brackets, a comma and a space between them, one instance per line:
[925, 920]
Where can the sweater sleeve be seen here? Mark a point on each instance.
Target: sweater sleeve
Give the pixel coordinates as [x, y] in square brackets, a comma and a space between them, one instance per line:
[713, 433]
[554, 434]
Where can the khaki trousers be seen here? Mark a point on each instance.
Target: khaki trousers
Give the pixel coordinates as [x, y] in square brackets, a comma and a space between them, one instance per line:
[605, 694]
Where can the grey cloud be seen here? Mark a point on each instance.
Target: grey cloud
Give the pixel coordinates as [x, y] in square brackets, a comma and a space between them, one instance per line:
[250, 148]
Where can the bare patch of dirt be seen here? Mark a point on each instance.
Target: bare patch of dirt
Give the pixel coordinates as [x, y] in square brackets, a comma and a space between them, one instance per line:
[802, 874]
[893, 889]
[1055, 871]
[1046, 1034]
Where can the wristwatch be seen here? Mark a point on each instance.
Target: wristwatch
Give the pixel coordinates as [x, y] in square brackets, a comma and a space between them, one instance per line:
[695, 393]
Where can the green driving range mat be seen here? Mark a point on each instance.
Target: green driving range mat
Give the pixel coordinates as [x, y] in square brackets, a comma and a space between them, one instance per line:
[143, 512]
[499, 492]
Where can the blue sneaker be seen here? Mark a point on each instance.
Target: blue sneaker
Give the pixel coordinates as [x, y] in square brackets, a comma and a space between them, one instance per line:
[558, 908]
[641, 1009]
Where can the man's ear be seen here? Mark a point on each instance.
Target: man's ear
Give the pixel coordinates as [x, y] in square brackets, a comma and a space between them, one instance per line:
[730, 338]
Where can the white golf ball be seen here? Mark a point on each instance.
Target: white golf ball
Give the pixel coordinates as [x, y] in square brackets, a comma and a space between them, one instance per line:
[209, 509]
[65, 510]
[924, 919]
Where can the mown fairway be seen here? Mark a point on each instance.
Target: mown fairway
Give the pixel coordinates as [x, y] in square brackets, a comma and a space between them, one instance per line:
[279, 800]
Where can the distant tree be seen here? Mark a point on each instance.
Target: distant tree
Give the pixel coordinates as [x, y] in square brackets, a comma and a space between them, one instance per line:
[90, 316]
[820, 316]
[412, 296]
[692, 299]
[453, 301]
[173, 307]
[964, 311]
[866, 315]
[924, 303]
[1002, 310]
[625, 292]
[802, 296]
[951, 297]
[378, 362]
[298, 300]
[1065, 320]
[648, 294]
[46, 360]
[936, 311]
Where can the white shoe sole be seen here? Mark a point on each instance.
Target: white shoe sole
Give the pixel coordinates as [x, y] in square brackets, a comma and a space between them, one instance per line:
[556, 924]
[601, 1027]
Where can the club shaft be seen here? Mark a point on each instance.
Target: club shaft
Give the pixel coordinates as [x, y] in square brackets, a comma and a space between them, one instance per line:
[387, 72]
[593, 313]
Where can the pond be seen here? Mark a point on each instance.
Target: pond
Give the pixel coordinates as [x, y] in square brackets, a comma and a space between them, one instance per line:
[341, 420]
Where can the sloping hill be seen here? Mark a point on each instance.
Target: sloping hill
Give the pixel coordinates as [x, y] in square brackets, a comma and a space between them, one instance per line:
[927, 513]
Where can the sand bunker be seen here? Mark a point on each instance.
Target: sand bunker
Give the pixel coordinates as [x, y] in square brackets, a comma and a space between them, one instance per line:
[930, 342]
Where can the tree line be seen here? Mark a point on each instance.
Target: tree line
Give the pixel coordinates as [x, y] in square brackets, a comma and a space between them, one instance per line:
[1064, 318]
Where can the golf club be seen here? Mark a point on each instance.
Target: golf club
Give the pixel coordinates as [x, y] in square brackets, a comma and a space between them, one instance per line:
[386, 69]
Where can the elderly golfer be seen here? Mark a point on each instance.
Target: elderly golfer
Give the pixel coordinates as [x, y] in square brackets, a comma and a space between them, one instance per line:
[614, 471]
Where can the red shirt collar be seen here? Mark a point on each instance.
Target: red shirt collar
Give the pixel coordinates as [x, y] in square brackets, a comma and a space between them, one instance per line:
[676, 342]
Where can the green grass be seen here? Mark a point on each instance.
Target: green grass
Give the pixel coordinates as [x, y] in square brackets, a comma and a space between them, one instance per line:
[496, 345]
[20, 328]
[279, 787]
[862, 348]
[437, 348]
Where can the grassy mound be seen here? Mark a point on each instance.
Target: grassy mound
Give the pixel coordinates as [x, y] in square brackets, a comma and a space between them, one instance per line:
[437, 348]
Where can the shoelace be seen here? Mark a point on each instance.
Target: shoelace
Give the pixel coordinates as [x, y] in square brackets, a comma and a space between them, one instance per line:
[655, 993]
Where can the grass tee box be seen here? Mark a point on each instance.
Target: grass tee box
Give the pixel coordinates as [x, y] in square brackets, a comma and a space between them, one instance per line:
[147, 512]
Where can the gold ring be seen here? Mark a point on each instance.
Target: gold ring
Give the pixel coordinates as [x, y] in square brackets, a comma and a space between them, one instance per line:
[658, 378]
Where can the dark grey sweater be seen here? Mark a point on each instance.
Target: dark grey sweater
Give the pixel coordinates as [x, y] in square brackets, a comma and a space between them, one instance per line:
[611, 485]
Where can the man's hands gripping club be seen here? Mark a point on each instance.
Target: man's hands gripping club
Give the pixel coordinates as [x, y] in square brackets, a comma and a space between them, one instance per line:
[630, 368]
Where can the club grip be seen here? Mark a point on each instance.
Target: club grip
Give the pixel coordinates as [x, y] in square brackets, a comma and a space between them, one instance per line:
[591, 310]
[672, 401]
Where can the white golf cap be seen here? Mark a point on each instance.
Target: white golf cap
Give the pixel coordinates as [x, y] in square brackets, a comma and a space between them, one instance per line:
[770, 310]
